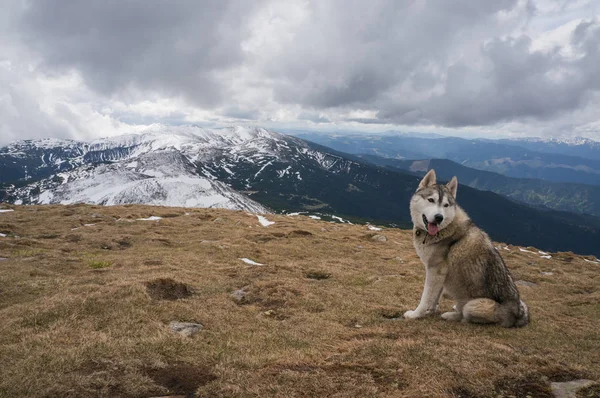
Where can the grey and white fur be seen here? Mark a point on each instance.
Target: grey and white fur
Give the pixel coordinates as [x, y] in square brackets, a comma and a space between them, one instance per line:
[461, 261]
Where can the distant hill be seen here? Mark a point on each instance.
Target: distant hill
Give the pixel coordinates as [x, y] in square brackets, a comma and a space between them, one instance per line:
[576, 146]
[579, 198]
[504, 157]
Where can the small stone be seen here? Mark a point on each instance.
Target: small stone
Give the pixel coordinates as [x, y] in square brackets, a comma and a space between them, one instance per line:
[186, 329]
[269, 312]
[379, 238]
[239, 295]
[525, 283]
[569, 389]
[399, 259]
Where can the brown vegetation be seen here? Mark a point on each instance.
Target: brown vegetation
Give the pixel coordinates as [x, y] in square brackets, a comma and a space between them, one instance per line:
[87, 294]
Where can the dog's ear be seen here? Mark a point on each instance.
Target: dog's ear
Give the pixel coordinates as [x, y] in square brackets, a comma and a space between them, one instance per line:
[428, 180]
[453, 186]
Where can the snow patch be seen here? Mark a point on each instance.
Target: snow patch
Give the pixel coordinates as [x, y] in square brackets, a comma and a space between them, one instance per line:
[248, 261]
[2, 235]
[526, 251]
[264, 222]
[315, 217]
[591, 261]
[5, 210]
[547, 257]
[151, 218]
[372, 228]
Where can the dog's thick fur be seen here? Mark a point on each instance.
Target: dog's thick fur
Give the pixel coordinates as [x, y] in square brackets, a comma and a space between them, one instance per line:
[460, 260]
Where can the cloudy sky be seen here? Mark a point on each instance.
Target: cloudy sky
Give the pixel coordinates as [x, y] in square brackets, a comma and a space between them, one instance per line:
[84, 69]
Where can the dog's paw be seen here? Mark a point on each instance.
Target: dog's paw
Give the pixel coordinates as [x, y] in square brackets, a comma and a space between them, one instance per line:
[452, 316]
[412, 315]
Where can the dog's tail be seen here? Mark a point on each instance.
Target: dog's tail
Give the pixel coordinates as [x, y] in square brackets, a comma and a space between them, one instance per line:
[484, 310]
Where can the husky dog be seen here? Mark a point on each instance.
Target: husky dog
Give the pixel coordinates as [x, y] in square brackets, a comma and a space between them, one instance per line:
[460, 259]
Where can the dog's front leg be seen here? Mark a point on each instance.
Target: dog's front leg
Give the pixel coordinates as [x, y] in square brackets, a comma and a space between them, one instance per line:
[434, 284]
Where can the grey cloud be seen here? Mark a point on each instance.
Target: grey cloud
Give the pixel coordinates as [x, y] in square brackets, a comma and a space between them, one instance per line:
[237, 112]
[515, 83]
[353, 52]
[174, 48]
[313, 117]
[433, 62]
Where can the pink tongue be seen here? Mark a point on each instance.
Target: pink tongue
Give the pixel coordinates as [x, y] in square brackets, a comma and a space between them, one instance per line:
[432, 228]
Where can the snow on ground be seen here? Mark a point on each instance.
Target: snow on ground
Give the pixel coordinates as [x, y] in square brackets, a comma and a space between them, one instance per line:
[591, 261]
[5, 210]
[248, 261]
[315, 217]
[372, 228]
[526, 251]
[264, 222]
[2, 235]
[151, 218]
[547, 257]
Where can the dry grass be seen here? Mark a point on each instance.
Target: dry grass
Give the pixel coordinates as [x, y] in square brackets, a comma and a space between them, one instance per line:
[85, 311]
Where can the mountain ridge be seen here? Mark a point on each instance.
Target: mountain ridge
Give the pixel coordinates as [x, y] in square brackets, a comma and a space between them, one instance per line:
[258, 170]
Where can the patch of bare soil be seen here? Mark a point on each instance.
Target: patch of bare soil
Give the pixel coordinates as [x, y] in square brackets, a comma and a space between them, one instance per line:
[181, 378]
[167, 289]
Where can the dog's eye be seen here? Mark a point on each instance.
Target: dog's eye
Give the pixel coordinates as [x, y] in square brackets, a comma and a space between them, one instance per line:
[431, 200]
[446, 205]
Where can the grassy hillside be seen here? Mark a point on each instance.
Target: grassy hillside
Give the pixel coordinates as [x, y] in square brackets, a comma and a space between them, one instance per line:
[87, 294]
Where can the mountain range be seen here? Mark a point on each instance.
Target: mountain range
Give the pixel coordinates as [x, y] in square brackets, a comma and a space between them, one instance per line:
[546, 160]
[563, 196]
[257, 170]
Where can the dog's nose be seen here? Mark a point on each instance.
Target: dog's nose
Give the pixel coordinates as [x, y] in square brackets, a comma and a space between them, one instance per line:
[438, 218]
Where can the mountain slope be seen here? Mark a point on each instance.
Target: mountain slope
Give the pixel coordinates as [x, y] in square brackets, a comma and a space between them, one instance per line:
[87, 312]
[578, 198]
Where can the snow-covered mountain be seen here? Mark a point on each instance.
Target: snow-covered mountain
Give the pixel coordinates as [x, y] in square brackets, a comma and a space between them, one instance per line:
[172, 166]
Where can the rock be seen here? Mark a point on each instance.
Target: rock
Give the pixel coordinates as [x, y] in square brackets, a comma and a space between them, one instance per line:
[399, 259]
[547, 273]
[269, 312]
[525, 283]
[239, 295]
[569, 389]
[3, 258]
[186, 329]
[379, 238]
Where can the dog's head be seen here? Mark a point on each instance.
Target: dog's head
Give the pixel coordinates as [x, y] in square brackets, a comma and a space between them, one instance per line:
[433, 206]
